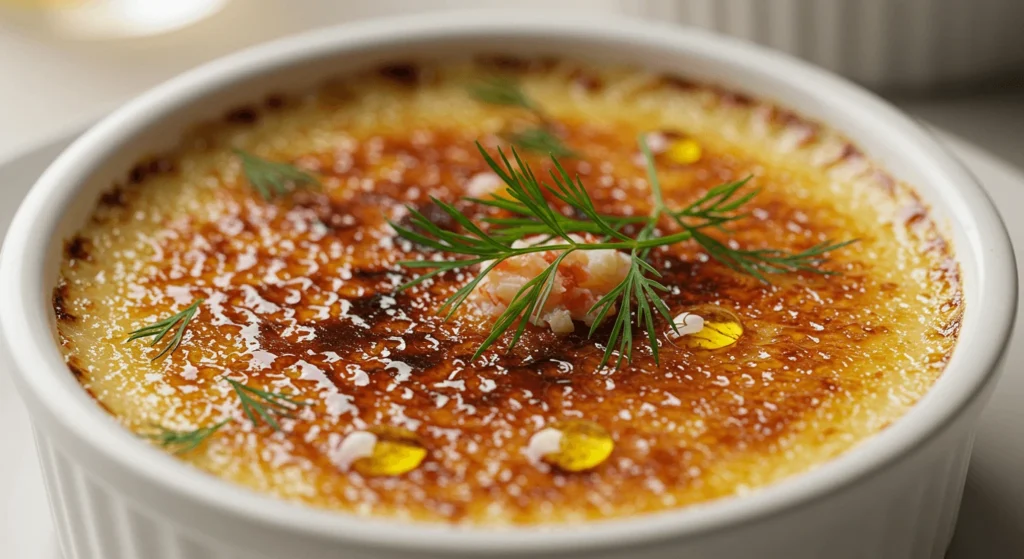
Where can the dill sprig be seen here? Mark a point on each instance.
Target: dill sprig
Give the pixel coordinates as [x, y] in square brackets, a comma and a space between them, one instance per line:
[272, 178]
[160, 329]
[541, 138]
[718, 207]
[265, 405]
[258, 406]
[500, 91]
[639, 293]
[770, 261]
[180, 442]
[639, 286]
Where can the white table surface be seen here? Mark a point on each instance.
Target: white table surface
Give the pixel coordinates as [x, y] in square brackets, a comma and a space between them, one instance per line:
[50, 86]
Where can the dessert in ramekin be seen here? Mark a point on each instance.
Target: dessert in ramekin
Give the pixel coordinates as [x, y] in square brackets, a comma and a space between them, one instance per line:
[263, 225]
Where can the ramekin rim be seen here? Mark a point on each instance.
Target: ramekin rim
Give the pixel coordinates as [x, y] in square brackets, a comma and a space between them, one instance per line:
[58, 184]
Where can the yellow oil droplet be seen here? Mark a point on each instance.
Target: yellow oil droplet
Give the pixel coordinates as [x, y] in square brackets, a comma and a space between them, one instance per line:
[722, 328]
[397, 451]
[584, 445]
[686, 151]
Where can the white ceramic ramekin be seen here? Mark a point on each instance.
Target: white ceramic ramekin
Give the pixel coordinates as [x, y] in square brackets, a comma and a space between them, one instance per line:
[115, 497]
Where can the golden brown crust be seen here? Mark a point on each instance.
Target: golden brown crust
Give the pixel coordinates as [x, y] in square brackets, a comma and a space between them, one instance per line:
[301, 296]
[60, 310]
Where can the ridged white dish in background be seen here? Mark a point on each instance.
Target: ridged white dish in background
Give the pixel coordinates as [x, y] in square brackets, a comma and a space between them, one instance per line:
[889, 44]
[884, 44]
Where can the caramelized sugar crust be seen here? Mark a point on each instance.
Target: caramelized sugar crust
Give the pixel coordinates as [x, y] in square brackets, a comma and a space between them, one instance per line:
[300, 296]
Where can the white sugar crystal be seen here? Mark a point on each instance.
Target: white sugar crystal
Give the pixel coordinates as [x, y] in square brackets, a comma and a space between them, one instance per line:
[686, 324]
[542, 443]
[358, 444]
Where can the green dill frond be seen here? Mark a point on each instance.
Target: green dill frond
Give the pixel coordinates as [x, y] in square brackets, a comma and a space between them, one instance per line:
[525, 201]
[264, 405]
[271, 178]
[181, 442]
[158, 330]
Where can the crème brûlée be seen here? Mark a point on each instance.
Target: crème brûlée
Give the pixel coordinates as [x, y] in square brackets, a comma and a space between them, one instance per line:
[303, 371]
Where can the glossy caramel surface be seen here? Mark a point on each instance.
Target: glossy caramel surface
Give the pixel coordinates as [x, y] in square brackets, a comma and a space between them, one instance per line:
[300, 297]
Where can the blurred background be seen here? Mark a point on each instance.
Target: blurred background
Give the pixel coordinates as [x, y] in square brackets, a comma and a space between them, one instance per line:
[958, 64]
